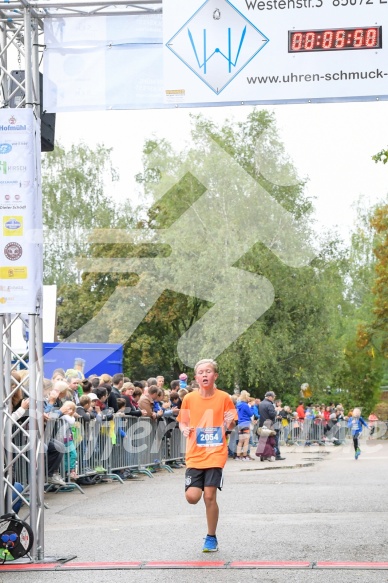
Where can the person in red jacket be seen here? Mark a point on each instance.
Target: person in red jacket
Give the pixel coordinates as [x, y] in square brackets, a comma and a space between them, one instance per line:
[300, 410]
[326, 414]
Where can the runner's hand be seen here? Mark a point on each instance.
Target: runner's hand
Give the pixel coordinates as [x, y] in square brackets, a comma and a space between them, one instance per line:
[229, 417]
[187, 430]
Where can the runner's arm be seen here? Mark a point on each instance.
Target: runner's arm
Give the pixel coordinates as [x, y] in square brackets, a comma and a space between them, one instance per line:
[230, 419]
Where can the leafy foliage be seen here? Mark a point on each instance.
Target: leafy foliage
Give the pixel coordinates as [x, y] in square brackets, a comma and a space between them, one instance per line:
[380, 290]
[313, 330]
[74, 202]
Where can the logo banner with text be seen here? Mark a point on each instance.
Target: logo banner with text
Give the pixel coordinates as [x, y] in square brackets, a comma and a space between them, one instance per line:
[217, 52]
[21, 264]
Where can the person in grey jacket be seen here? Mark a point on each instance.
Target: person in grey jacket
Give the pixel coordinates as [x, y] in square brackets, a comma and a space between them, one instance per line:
[267, 411]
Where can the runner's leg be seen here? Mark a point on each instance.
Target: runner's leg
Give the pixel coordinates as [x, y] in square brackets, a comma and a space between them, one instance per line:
[212, 511]
[193, 495]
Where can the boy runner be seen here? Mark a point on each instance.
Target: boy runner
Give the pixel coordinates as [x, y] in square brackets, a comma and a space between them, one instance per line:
[203, 418]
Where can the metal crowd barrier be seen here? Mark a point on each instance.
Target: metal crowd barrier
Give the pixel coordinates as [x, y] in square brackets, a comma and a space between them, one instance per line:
[312, 431]
[107, 448]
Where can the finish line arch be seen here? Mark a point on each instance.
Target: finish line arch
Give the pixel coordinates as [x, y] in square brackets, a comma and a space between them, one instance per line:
[22, 41]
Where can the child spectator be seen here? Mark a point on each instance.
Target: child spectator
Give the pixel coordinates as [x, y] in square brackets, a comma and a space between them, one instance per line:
[83, 409]
[372, 423]
[171, 412]
[286, 418]
[244, 426]
[183, 381]
[157, 404]
[175, 400]
[182, 393]
[121, 404]
[66, 413]
[266, 446]
[86, 412]
[295, 428]
[254, 408]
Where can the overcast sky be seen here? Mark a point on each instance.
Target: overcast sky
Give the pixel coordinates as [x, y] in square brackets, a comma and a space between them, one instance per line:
[331, 144]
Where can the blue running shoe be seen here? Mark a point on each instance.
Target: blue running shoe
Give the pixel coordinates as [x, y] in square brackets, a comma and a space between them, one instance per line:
[210, 545]
[356, 455]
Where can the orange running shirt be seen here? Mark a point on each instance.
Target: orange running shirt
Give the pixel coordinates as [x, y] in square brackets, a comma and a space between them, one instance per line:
[206, 447]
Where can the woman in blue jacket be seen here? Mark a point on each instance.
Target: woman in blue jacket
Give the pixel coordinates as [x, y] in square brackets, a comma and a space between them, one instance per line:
[244, 426]
[355, 423]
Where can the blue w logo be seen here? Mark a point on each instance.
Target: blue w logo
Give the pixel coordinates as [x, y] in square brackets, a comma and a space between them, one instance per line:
[227, 55]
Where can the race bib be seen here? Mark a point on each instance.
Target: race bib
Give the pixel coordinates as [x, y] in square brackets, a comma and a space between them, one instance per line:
[209, 436]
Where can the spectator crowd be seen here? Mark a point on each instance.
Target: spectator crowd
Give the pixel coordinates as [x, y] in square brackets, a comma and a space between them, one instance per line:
[262, 424]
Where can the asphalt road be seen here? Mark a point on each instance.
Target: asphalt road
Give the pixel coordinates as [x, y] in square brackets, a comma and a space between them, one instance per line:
[317, 505]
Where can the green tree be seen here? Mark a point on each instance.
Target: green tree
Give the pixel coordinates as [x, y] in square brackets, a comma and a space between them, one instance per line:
[74, 202]
[380, 290]
[314, 330]
[362, 367]
[297, 339]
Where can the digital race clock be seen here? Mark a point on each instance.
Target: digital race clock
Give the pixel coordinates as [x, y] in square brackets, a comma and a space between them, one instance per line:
[335, 39]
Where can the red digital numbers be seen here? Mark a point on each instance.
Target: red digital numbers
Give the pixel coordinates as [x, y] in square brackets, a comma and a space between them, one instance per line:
[340, 39]
[371, 37]
[358, 38]
[309, 42]
[297, 41]
[335, 39]
[327, 42]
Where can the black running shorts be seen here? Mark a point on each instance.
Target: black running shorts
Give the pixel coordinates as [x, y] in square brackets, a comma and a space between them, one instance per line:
[200, 478]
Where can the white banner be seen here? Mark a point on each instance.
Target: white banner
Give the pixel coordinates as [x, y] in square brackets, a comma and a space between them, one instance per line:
[105, 62]
[21, 265]
[219, 52]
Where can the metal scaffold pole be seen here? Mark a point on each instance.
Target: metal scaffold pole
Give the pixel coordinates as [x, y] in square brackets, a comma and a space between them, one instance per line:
[36, 440]
[22, 451]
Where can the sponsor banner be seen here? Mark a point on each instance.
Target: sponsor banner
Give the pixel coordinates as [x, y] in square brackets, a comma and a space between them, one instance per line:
[21, 256]
[274, 50]
[216, 52]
